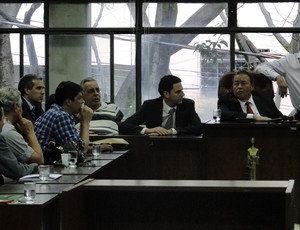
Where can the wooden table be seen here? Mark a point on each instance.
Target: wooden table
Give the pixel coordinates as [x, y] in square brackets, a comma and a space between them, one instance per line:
[180, 204]
[41, 188]
[45, 212]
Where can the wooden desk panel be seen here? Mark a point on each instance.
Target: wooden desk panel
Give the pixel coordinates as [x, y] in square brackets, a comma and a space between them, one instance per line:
[176, 157]
[43, 214]
[225, 153]
[177, 204]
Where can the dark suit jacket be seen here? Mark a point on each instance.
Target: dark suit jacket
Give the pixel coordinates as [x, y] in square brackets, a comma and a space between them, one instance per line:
[187, 120]
[231, 108]
[27, 113]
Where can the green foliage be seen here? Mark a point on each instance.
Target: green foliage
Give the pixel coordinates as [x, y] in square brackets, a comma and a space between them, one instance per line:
[209, 50]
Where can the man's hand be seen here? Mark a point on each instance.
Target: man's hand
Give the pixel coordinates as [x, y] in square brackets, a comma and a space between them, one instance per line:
[106, 147]
[25, 125]
[282, 86]
[158, 131]
[86, 114]
[261, 118]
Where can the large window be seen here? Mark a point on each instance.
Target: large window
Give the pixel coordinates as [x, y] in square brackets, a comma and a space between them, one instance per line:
[129, 45]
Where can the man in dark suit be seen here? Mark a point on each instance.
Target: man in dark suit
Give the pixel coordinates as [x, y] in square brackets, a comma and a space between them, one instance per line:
[170, 114]
[243, 102]
[32, 91]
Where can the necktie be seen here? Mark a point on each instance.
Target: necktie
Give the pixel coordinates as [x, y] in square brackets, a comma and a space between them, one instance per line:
[249, 110]
[170, 119]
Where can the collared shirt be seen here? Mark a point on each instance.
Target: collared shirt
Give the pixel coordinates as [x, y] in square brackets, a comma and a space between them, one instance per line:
[16, 142]
[252, 105]
[57, 125]
[165, 114]
[29, 104]
[106, 118]
[289, 68]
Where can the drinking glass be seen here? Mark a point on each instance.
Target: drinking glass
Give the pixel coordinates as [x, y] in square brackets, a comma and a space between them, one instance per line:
[29, 192]
[65, 159]
[217, 115]
[96, 151]
[44, 171]
[73, 159]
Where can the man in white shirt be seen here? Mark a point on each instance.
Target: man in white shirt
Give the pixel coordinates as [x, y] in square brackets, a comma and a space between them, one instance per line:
[286, 72]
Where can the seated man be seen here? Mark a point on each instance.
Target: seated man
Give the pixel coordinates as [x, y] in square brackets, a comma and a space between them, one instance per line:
[9, 164]
[32, 91]
[57, 123]
[243, 102]
[17, 128]
[169, 114]
[106, 116]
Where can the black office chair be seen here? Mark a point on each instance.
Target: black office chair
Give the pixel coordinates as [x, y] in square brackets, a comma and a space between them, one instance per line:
[261, 84]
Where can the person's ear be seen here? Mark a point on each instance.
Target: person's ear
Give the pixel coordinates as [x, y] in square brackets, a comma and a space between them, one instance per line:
[68, 101]
[17, 108]
[166, 94]
[27, 91]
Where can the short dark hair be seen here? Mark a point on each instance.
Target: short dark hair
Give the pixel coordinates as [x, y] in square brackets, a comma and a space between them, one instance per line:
[251, 78]
[166, 83]
[66, 90]
[26, 82]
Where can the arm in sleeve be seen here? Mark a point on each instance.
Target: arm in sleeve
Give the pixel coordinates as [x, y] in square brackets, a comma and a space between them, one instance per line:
[193, 123]
[132, 124]
[10, 166]
[227, 112]
[272, 69]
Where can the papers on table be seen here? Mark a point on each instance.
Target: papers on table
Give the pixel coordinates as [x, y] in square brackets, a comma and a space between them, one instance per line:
[36, 177]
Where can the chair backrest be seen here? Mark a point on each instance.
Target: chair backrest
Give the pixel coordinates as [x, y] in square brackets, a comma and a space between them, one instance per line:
[261, 84]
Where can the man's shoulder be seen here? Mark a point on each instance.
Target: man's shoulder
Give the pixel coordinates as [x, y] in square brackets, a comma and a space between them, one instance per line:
[50, 116]
[261, 96]
[7, 127]
[153, 101]
[107, 106]
[187, 101]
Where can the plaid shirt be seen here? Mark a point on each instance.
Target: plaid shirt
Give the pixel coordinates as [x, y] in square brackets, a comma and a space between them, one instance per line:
[57, 125]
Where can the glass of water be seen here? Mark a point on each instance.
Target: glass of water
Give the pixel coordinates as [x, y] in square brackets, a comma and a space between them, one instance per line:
[96, 151]
[44, 172]
[29, 192]
[73, 159]
[217, 115]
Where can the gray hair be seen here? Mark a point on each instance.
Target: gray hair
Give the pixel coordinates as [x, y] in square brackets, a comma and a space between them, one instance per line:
[88, 79]
[8, 98]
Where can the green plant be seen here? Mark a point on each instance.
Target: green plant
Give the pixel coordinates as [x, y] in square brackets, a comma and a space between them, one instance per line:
[209, 50]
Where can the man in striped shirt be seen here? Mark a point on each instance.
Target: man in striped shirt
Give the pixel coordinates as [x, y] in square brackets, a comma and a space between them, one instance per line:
[106, 116]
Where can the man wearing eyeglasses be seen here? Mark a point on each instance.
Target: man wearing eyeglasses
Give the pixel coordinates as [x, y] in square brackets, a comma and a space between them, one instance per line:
[107, 116]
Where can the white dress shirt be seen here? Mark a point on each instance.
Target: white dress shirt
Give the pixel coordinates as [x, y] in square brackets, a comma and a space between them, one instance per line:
[252, 105]
[289, 68]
